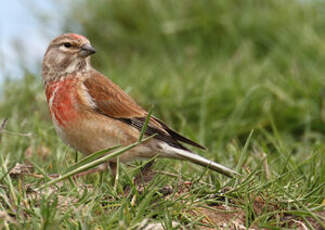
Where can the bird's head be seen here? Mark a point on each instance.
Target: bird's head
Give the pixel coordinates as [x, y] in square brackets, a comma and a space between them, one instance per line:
[66, 54]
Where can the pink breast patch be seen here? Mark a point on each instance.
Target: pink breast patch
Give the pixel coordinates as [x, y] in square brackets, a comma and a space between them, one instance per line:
[62, 97]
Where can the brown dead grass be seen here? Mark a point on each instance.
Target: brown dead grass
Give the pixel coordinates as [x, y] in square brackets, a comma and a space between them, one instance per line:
[220, 216]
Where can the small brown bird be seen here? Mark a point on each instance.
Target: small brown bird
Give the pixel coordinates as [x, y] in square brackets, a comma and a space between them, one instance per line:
[91, 113]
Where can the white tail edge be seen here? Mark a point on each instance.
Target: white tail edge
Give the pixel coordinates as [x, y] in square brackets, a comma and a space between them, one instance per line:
[172, 152]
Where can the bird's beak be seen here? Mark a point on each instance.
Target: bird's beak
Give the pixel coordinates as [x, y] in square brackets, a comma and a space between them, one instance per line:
[87, 50]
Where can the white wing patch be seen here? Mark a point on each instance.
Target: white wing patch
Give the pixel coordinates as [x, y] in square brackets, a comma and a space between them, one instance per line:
[86, 96]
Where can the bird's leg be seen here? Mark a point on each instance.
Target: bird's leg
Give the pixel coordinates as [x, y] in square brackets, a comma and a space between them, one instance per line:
[142, 178]
[146, 174]
[76, 157]
[113, 167]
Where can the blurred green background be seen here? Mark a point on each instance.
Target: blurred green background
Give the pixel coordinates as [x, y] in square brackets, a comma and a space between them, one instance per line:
[213, 69]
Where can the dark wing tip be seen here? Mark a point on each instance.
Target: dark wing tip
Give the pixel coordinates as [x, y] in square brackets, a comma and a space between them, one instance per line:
[178, 136]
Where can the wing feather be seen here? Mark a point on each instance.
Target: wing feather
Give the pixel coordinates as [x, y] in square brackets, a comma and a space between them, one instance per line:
[113, 102]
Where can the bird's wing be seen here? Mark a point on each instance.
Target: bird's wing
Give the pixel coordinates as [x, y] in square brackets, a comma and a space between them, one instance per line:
[112, 101]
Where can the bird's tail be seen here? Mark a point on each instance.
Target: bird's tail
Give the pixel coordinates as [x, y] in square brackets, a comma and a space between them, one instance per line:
[172, 152]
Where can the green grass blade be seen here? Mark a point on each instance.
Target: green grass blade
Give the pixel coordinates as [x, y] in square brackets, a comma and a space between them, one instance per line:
[243, 152]
[92, 164]
[146, 122]
[90, 158]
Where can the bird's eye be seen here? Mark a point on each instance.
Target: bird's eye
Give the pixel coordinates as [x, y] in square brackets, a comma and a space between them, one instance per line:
[67, 44]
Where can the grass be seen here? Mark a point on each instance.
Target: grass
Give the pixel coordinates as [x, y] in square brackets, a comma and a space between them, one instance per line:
[244, 79]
